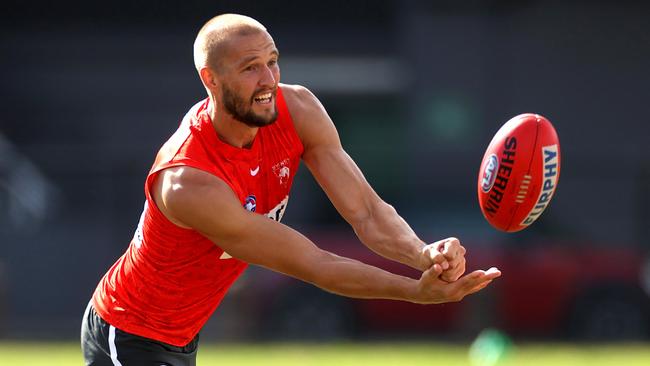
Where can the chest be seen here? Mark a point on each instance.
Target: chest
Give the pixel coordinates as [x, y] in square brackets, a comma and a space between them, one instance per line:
[264, 181]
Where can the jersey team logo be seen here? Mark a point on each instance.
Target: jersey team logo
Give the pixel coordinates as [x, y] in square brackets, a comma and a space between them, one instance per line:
[251, 203]
[282, 171]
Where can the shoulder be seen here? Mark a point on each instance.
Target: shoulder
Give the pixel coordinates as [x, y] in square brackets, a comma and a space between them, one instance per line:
[301, 102]
[308, 114]
[181, 192]
[185, 182]
[298, 96]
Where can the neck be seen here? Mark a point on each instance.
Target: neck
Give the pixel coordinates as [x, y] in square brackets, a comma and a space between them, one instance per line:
[230, 130]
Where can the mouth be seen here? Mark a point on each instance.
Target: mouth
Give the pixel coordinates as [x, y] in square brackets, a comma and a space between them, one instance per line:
[265, 98]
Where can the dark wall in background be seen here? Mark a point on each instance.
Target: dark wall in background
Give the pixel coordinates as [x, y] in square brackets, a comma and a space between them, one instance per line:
[90, 91]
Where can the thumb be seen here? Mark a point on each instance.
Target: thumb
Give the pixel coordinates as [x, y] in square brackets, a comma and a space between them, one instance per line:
[432, 273]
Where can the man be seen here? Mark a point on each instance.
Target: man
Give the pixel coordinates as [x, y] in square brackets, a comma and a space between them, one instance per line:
[214, 199]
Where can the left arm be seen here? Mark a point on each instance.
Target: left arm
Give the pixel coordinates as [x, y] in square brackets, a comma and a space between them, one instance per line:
[376, 223]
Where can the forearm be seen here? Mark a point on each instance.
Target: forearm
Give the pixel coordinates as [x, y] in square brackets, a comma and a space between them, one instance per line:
[282, 249]
[351, 278]
[386, 233]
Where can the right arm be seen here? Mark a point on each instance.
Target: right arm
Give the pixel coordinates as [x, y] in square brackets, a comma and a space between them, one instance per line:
[376, 223]
[193, 198]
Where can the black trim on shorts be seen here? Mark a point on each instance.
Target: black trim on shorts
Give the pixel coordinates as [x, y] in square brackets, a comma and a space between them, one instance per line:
[104, 345]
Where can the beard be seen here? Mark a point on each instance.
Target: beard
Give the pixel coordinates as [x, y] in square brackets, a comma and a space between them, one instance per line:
[242, 110]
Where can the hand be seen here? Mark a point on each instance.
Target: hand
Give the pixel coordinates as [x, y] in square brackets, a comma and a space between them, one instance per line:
[432, 290]
[449, 254]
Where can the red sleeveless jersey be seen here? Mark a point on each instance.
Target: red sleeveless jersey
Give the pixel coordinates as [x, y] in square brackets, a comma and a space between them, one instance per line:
[171, 279]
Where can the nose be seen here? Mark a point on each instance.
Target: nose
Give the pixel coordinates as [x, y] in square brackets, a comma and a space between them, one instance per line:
[267, 78]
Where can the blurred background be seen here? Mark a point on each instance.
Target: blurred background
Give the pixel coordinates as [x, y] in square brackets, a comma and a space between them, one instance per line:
[90, 91]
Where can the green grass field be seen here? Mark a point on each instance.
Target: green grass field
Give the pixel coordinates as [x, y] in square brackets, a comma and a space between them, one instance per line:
[375, 354]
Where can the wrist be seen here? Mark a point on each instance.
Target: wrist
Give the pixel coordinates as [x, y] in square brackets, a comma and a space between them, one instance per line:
[410, 290]
[418, 260]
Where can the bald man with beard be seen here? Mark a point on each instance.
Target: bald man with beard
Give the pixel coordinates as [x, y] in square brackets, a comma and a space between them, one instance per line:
[215, 196]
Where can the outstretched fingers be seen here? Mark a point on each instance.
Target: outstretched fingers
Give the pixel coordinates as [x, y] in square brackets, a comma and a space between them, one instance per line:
[473, 282]
[479, 287]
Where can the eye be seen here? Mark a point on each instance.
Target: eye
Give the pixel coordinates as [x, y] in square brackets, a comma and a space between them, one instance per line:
[252, 67]
[273, 62]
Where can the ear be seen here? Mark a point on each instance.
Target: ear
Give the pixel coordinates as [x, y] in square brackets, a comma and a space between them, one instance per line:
[208, 78]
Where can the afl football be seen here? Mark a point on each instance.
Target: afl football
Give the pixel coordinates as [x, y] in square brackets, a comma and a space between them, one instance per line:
[519, 172]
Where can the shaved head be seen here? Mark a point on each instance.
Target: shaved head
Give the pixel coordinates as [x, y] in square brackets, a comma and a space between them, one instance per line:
[214, 36]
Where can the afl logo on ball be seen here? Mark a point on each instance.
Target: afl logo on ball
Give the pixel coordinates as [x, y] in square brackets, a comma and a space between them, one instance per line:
[489, 173]
[250, 203]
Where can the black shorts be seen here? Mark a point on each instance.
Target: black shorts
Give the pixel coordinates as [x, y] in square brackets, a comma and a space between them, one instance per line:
[104, 345]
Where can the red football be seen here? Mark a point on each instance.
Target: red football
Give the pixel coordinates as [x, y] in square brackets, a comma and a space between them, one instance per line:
[519, 172]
